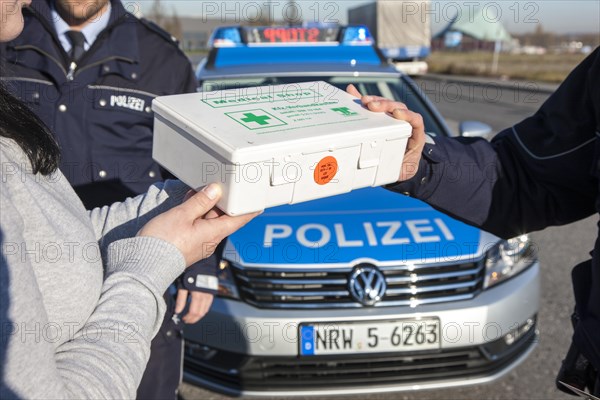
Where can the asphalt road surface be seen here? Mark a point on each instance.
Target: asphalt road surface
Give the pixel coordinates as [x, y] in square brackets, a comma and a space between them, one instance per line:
[501, 104]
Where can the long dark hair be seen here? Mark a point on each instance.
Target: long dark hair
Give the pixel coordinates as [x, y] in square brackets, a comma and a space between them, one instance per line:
[20, 124]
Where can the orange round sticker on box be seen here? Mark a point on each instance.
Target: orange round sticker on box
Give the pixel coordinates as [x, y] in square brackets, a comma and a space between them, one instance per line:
[325, 170]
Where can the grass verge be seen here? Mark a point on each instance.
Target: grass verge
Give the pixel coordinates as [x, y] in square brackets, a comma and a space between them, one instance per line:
[545, 68]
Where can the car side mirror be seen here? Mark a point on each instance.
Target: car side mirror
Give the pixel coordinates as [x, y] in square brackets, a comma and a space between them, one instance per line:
[474, 129]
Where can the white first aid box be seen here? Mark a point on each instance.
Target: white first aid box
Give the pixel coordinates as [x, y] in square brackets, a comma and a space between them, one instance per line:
[274, 145]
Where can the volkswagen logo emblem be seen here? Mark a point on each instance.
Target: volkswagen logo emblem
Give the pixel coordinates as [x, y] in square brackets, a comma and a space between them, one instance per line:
[367, 284]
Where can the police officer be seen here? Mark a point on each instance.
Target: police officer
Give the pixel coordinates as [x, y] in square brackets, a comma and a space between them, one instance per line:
[543, 171]
[90, 69]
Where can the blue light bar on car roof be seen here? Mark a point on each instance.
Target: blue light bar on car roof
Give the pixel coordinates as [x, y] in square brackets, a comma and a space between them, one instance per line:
[233, 36]
[297, 55]
[226, 37]
[357, 36]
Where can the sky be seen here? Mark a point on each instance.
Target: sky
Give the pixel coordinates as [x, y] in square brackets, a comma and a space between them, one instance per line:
[518, 16]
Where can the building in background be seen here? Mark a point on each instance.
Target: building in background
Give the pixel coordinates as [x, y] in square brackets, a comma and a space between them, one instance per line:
[473, 31]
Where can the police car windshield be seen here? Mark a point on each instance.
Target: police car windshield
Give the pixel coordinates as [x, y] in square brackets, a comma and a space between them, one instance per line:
[392, 88]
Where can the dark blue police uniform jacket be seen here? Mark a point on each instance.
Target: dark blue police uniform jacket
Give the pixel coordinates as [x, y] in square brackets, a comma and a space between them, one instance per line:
[543, 171]
[100, 108]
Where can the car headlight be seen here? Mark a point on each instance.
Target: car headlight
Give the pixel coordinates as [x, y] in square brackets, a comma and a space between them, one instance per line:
[227, 286]
[508, 258]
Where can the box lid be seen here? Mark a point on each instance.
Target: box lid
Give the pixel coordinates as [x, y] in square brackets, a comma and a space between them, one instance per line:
[258, 123]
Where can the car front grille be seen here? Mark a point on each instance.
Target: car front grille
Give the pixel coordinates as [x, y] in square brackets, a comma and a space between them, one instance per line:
[407, 285]
[238, 372]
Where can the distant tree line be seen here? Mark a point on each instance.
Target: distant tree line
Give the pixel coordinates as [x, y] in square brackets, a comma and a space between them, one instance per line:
[549, 40]
[170, 21]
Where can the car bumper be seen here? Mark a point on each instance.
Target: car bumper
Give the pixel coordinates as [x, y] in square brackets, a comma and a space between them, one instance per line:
[238, 349]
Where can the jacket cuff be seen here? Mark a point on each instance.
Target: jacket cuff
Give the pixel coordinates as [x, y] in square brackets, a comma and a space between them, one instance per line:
[201, 277]
[428, 176]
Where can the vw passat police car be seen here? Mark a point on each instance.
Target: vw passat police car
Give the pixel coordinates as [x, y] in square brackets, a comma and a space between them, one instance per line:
[365, 292]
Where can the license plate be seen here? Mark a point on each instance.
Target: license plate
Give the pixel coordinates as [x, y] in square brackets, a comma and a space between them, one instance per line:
[369, 337]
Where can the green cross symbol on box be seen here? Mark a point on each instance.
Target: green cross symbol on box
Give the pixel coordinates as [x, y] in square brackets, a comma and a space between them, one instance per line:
[255, 119]
[345, 111]
[259, 119]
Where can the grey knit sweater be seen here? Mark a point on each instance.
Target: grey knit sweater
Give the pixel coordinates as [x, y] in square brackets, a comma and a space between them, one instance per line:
[80, 299]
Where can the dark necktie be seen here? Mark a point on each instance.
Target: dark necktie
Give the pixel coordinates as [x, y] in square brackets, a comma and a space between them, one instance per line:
[77, 40]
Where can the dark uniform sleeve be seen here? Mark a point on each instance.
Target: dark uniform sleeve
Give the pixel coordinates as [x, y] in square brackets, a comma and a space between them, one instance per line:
[202, 276]
[541, 172]
[190, 83]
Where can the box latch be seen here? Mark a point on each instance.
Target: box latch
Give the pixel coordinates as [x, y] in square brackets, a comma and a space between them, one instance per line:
[286, 170]
[370, 153]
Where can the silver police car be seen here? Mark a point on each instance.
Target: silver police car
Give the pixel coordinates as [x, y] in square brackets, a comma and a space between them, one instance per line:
[366, 292]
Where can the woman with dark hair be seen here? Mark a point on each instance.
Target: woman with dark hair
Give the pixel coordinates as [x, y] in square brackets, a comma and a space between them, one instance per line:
[81, 292]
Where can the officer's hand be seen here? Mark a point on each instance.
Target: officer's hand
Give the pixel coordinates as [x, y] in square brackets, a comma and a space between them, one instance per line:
[195, 227]
[199, 305]
[412, 156]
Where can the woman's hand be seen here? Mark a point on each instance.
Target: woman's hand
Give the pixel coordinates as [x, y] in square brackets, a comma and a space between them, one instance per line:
[196, 226]
[412, 156]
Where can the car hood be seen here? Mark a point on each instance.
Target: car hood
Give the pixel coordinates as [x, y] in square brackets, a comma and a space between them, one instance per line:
[367, 225]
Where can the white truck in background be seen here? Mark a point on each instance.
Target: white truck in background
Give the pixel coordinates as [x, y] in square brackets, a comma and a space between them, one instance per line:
[402, 30]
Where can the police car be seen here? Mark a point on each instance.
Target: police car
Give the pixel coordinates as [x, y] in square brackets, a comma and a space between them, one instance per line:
[365, 292]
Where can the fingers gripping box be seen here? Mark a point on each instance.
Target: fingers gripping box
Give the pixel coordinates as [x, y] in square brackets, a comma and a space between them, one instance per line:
[276, 145]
